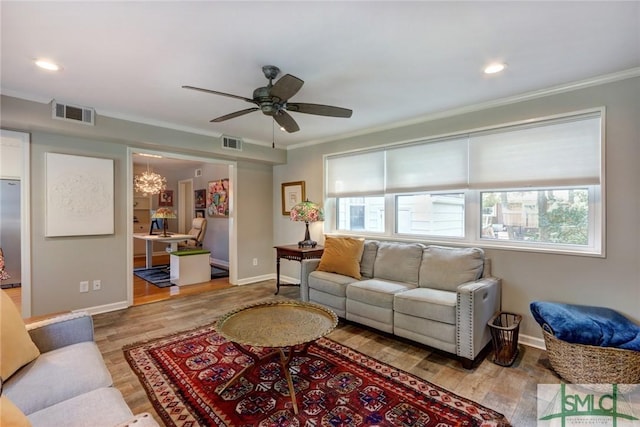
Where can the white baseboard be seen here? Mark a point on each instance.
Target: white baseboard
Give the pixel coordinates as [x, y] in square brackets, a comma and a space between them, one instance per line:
[115, 306]
[219, 262]
[532, 341]
[272, 276]
[255, 279]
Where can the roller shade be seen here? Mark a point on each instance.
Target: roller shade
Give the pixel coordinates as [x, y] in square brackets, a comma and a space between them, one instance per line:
[559, 153]
[358, 174]
[439, 165]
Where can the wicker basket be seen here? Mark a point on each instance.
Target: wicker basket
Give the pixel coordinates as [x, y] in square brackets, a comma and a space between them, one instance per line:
[588, 364]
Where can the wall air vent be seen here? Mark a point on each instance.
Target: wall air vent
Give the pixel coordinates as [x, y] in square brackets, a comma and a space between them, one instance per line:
[232, 143]
[73, 113]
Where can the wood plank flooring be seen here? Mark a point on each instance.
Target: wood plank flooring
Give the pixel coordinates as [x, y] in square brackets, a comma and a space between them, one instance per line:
[511, 391]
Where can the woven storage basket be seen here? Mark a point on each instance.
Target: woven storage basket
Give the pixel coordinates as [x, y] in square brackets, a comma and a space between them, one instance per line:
[588, 364]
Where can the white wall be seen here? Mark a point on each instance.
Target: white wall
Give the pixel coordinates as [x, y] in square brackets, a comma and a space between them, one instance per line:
[613, 281]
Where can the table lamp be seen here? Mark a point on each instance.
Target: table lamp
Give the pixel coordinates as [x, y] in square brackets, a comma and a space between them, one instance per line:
[307, 212]
[164, 214]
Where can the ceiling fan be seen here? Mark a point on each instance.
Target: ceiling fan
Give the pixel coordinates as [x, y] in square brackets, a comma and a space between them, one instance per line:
[273, 100]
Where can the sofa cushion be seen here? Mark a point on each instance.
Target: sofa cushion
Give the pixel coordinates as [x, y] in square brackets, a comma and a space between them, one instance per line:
[342, 255]
[330, 283]
[101, 407]
[368, 258]
[11, 415]
[433, 304]
[447, 268]
[398, 262]
[58, 375]
[16, 347]
[375, 292]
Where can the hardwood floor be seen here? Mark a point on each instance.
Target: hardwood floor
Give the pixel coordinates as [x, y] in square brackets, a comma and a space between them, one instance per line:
[145, 292]
[511, 391]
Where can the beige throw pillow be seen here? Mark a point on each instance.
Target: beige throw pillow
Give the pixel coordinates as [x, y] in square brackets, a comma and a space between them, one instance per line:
[11, 415]
[342, 256]
[16, 347]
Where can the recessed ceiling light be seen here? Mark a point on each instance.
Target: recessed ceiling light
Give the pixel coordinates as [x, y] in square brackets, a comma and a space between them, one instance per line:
[494, 68]
[155, 156]
[47, 65]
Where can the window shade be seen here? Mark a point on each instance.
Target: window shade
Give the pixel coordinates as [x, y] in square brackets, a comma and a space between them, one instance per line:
[358, 174]
[439, 165]
[555, 153]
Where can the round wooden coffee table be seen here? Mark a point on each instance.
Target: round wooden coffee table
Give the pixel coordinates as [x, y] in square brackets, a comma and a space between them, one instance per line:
[282, 325]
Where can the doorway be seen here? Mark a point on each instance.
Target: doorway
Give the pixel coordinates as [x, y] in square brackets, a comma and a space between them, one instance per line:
[180, 170]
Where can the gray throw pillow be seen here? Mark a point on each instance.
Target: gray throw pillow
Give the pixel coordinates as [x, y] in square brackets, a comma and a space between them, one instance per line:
[447, 268]
[399, 262]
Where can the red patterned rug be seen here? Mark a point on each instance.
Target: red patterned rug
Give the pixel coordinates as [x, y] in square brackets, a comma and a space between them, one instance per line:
[335, 386]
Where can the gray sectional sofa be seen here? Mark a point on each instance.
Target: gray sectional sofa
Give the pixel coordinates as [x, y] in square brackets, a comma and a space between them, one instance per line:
[439, 296]
[68, 384]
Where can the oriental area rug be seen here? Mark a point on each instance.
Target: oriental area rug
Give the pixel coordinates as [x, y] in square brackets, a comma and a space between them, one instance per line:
[335, 386]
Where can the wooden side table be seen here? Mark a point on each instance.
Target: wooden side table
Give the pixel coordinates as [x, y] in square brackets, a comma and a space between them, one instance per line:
[294, 253]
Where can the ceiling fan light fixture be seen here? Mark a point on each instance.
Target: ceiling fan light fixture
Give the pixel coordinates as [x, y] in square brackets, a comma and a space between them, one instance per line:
[47, 65]
[494, 68]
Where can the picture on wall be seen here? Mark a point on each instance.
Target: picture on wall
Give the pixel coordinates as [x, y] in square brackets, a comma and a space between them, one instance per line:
[292, 194]
[200, 199]
[218, 197]
[199, 213]
[79, 195]
[165, 198]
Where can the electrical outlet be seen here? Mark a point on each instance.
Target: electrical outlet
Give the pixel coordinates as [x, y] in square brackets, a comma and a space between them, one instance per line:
[255, 262]
[97, 285]
[84, 286]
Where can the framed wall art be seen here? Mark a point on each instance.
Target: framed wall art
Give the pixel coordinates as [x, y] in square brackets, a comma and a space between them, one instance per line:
[292, 194]
[200, 199]
[79, 195]
[165, 198]
[218, 197]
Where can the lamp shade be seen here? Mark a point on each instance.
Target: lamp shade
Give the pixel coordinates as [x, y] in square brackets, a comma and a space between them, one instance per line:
[306, 212]
[164, 214]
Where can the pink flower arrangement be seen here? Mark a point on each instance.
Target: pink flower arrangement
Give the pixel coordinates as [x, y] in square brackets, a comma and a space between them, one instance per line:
[306, 211]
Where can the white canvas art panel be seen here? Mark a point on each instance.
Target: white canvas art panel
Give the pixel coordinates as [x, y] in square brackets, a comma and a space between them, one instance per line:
[80, 195]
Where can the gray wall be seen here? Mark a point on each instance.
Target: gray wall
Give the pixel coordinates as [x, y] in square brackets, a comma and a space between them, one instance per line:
[59, 264]
[613, 281]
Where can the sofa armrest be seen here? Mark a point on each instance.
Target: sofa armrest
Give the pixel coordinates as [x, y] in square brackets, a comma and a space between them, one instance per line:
[477, 302]
[308, 265]
[61, 331]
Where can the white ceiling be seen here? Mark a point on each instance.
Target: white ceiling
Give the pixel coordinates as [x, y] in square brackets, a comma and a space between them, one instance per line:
[390, 62]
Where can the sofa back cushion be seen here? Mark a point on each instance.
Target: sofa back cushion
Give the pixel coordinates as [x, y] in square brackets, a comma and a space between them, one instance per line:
[368, 258]
[399, 262]
[342, 256]
[447, 268]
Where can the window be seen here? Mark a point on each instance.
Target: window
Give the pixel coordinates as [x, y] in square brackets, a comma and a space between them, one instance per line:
[533, 185]
[361, 214]
[542, 216]
[431, 214]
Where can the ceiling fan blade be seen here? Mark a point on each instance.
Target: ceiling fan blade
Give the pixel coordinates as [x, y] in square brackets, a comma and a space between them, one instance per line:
[286, 87]
[318, 109]
[233, 115]
[215, 92]
[285, 120]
